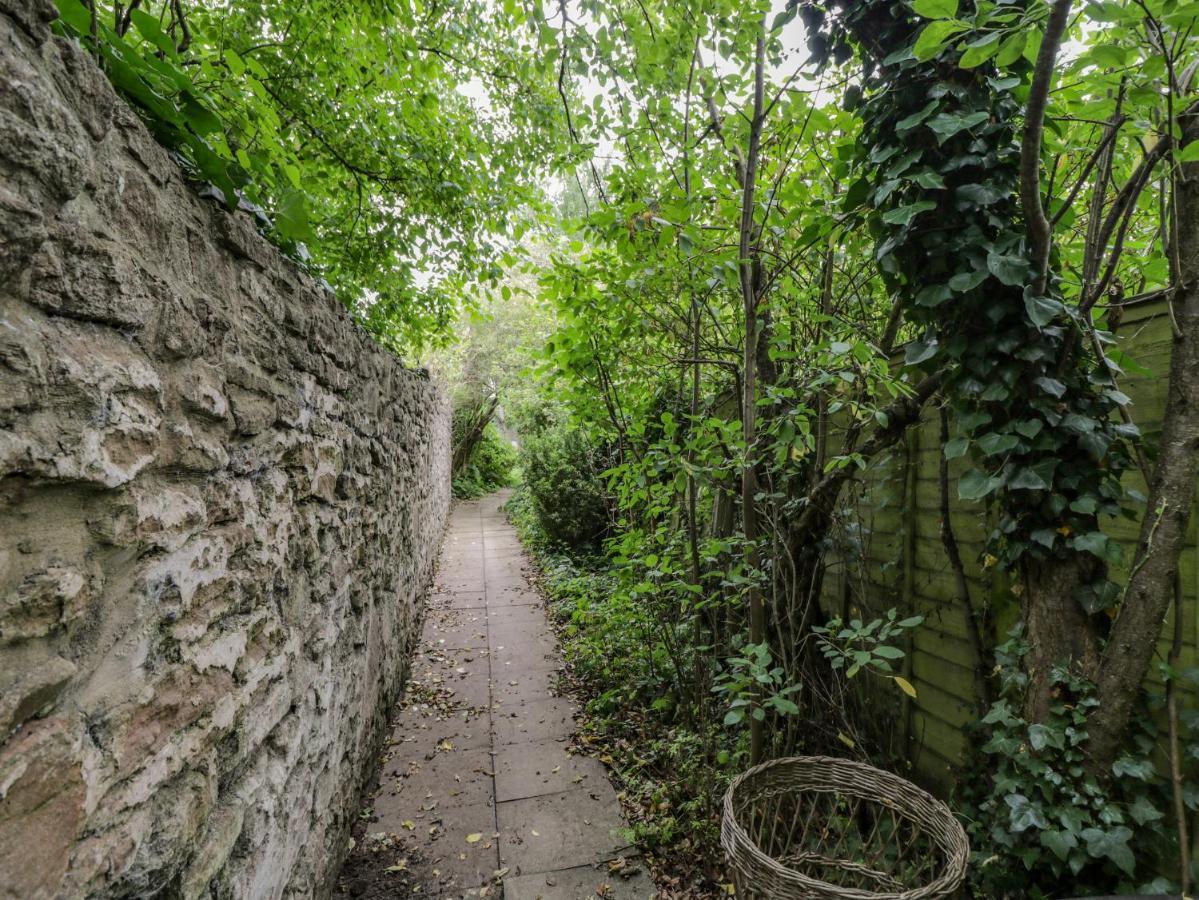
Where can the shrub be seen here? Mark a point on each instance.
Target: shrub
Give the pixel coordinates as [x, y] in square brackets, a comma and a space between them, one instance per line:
[1042, 821]
[490, 467]
[561, 469]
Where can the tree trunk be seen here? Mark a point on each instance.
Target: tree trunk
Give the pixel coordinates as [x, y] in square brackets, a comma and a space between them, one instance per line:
[1150, 587]
[1059, 629]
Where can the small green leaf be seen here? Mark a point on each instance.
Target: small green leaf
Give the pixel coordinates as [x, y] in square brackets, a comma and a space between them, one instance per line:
[1189, 153]
[1143, 811]
[976, 56]
[291, 217]
[1011, 270]
[1041, 310]
[975, 485]
[956, 447]
[1023, 814]
[1060, 843]
[1011, 49]
[946, 125]
[1111, 845]
[1027, 479]
[994, 443]
[1050, 386]
[936, 9]
[1094, 542]
[909, 122]
[920, 351]
[903, 215]
[1029, 428]
[934, 37]
[968, 281]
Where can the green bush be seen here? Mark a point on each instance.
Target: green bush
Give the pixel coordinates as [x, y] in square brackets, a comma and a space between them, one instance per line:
[490, 468]
[561, 470]
[1042, 821]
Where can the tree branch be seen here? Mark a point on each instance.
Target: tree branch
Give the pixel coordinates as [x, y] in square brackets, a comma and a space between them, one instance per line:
[1039, 231]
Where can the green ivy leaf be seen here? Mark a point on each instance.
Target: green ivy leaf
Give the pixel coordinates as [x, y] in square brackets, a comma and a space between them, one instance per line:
[1111, 845]
[1060, 843]
[975, 485]
[946, 125]
[903, 215]
[291, 217]
[909, 122]
[968, 281]
[1027, 479]
[1029, 428]
[1041, 310]
[1189, 153]
[1024, 814]
[995, 443]
[919, 351]
[1143, 811]
[1010, 270]
[1127, 767]
[1050, 386]
[956, 447]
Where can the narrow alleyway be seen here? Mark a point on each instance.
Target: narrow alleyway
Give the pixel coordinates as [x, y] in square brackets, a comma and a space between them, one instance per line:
[479, 788]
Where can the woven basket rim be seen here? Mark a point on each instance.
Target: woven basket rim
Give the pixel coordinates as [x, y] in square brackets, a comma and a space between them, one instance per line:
[858, 779]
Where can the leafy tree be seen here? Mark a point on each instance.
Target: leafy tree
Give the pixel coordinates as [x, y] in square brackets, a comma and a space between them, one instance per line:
[351, 129]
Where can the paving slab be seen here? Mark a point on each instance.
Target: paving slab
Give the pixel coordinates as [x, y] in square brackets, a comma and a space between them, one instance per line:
[523, 633]
[503, 553]
[460, 585]
[507, 569]
[561, 831]
[543, 767]
[455, 629]
[625, 880]
[524, 655]
[457, 864]
[515, 686]
[536, 720]
[513, 596]
[526, 614]
[451, 778]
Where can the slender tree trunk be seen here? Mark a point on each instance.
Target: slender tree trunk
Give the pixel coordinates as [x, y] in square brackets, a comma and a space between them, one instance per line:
[749, 481]
[1150, 591]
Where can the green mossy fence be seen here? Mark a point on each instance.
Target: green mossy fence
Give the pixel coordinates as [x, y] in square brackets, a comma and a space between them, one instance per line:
[891, 555]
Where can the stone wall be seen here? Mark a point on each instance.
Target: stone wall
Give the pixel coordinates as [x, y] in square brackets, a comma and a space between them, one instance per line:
[219, 506]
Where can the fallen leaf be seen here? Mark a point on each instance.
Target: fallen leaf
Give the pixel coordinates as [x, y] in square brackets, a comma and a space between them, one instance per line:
[474, 838]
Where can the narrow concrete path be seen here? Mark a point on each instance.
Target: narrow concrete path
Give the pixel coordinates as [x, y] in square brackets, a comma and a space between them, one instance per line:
[480, 776]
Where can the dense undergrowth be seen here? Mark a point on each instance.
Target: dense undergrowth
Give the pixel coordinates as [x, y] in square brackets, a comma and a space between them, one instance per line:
[671, 785]
[491, 466]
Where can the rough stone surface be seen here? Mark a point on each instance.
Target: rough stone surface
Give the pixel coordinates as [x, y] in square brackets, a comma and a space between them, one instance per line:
[220, 505]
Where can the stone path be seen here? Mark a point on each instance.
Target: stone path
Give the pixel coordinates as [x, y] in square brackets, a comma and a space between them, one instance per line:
[479, 775]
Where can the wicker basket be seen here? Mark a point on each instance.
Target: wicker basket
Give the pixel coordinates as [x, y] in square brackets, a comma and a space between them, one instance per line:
[817, 827]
